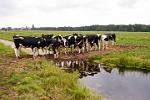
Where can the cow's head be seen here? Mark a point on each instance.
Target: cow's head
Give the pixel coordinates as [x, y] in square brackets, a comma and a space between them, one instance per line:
[75, 36]
[61, 40]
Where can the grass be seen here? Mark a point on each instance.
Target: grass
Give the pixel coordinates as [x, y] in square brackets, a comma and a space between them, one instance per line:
[133, 38]
[8, 34]
[133, 58]
[124, 38]
[38, 79]
[5, 50]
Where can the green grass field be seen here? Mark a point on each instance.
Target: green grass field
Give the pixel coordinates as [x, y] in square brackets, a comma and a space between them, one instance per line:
[8, 34]
[33, 79]
[38, 79]
[125, 38]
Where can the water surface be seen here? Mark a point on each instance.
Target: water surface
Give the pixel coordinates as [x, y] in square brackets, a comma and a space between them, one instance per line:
[113, 84]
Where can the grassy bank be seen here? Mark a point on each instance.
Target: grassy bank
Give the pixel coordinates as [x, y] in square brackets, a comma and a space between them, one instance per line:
[37, 79]
[129, 58]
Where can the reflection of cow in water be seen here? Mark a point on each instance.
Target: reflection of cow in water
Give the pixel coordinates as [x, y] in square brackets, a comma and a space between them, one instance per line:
[85, 68]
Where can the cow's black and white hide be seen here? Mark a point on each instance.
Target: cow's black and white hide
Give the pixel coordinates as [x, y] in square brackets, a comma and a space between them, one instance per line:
[54, 43]
[80, 43]
[93, 40]
[71, 41]
[106, 38]
[34, 43]
[48, 47]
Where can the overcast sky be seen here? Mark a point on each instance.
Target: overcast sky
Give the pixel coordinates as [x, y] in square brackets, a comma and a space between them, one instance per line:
[21, 13]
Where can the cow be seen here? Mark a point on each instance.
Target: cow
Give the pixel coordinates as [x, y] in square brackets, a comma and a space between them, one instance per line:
[91, 40]
[34, 43]
[54, 42]
[81, 42]
[48, 39]
[108, 37]
[71, 41]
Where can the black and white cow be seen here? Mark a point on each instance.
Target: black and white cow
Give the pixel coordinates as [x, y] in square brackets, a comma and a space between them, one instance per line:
[108, 37]
[71, 41]
[91, 40]
[48, 39]
[54, 42]
[81, 42]
[34, 43]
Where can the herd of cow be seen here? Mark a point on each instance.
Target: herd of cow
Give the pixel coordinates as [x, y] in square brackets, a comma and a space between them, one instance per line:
[51, 43]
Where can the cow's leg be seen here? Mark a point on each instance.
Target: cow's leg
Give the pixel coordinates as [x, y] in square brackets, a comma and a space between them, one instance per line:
[106, 44]
[34, 52]
[99, 45]
[54, 50]
[46, 50]
[113, 42]
[88, 47]
[43, 51]
[75, 48]
[103, 44]
[79, 51]
[91, 45]
[57, 53]
[50, 51]
[85, 46]
[37, 51]
[65, 50]
[17, 52]
[71, 48]
[83, 49]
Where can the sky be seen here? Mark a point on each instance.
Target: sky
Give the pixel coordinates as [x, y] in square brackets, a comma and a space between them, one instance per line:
[59, 13]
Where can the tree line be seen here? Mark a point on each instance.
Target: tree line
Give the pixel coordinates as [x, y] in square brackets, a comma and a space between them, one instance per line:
[129, 28]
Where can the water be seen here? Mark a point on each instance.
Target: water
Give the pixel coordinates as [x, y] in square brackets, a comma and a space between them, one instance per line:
[113, 84]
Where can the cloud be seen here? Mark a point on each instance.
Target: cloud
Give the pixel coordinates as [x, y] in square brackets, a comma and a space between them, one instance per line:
[73, 12]
[128, 3]
[57, 5]
[5, 6]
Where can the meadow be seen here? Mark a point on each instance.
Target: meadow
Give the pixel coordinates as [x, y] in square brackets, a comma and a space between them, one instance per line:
[41, 79]
[37, 79]
[124, 38]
